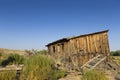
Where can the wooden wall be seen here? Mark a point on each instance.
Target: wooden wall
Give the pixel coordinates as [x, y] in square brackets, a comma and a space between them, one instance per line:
[81, 49]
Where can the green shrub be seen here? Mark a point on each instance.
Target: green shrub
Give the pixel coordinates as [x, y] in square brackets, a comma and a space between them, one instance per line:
[17, 59]
[40, 67]
[37, 67]
[57, 74]
[33, 52]
[94, 75]
[0, 55]
[43, 52]
[115, 53]
[13, 59]
[7, 75]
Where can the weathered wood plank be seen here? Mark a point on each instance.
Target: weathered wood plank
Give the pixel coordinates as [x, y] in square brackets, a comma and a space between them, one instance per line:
[87, 46]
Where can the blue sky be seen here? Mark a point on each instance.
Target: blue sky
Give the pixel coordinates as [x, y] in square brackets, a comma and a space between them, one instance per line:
[27, 24]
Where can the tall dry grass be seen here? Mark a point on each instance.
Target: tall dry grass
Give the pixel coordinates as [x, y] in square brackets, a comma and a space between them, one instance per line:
[7, 75]
[94, 75]
[37, 67]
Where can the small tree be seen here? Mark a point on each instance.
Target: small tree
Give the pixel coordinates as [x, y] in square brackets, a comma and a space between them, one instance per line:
[115, 53]
[45, 52]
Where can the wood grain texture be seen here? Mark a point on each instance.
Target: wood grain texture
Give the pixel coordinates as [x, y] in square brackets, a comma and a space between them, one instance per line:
[82, 48]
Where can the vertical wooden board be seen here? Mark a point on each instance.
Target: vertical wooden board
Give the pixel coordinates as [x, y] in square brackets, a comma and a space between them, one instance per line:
[77, 45]
[71, 46]
[80, 47]
[101, 35]
[48, 49]
[85, 45]
[104, 43]
[52, 49]
[108, 49]
[94, 45]
[86, 49]
[98, 44]
[95, 40]
[92, 42]
[91, 45]
[88, 45]
[61, 49]
[55, 48]
[107, 44]
[66, 49]
[63, 54]
[73, 42]
[56, 51]
[91, 38]
[82, 44]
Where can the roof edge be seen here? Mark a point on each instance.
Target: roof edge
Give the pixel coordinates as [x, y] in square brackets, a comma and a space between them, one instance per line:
[66, 39]
[63, 39]
[90, 34]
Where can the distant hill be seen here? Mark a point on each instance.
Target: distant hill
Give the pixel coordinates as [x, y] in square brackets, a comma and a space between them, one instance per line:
[9, 51]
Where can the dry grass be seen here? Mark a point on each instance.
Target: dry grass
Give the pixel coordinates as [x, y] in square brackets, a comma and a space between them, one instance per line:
[116, 59]
[7, 75]
[40, 67]
[9, 51]
[94, 75]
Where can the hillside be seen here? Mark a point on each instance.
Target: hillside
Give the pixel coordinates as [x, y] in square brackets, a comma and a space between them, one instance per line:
[9, 51]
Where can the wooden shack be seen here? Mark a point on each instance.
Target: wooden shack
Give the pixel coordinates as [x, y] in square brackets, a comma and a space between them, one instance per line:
[80, 49]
